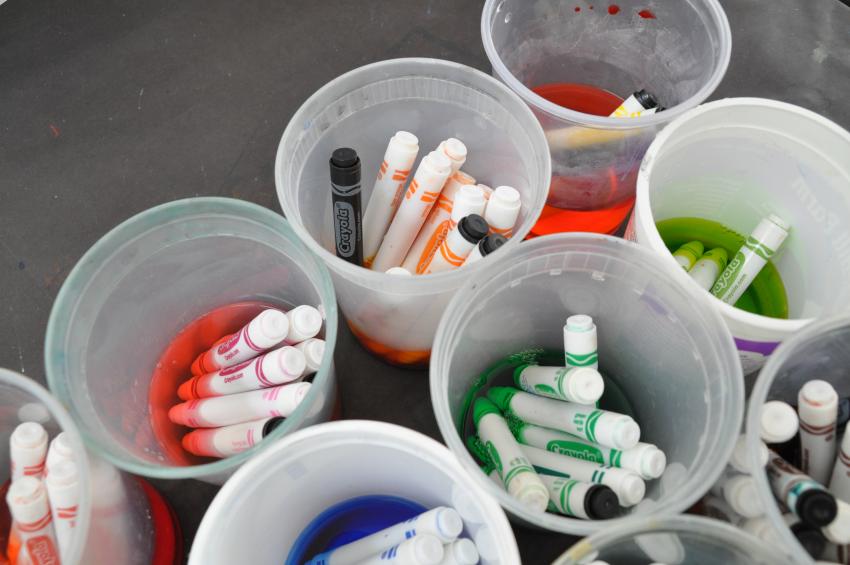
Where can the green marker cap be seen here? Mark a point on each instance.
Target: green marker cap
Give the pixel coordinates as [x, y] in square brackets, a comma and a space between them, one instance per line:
[502, 396]
[517, 372]
[515, 425]
[717, 255]
[691, 250]
[482, 407]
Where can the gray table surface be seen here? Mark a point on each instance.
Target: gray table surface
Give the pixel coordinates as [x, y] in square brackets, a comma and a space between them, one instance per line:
[109, 108]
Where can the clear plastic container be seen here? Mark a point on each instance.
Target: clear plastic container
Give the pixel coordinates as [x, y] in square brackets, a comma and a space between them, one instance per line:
[679, 540]
[137, 287]
[301, 476]
[114, 523]
[820, 351]
[737, 160]
[396, 317]
[668, 351]
[678, 51]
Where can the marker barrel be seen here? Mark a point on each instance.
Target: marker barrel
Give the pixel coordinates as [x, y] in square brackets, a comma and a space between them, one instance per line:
[638, 104]
[688, 254]
[582, 385]
[228, 440]
[805, 497]
[314, 351]
[63, 490]
[485, 247]
[580, 342]
[817, 404]
[580, 499]
[839, 484]
[421, 550]
[238, 408]
[347, 212]
[503, 210]
[28, 505]
[458, 244]
[28, 450]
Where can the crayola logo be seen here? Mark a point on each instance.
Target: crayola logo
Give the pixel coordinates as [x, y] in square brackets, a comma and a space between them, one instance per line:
[576, 450]
[344, 216]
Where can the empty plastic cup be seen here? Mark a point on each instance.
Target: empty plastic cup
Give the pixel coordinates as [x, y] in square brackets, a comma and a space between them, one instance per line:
[295, 481]
[669, 354]
[138, 287]
[820, 351]
[573, 63]
[736, 161]
[396, 317]
[114, 522]
[679, 540]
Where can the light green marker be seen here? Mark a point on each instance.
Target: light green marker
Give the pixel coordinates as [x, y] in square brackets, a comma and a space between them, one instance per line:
[709, 267]
[583, 385]
[688, 254]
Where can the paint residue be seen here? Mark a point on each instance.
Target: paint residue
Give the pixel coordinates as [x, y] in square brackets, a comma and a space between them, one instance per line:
[613, 9]
[647, 14]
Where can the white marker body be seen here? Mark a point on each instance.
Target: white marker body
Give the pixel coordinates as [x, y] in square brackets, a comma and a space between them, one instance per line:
[399, 272]
[63, 491]
[716, 507]
[580, 342]
[420, 550]
[739, 491]
[503, 210]
[28, 450]
[739, 458]
[787, 482]
[278, 367]
[644, 459]
[838, 531]
[265, 331]
[421, 195]
[239, 408]
[443, 523]
[461, 552]
[705, 272]
[386, 195]
[582, 385]
[226, 440]
[761, 528]
[779, 422]
[60, 450]
[314, 351]
[818, 409]
[839, 484]
[452, 253]
[27, 501]
[518, 476]
[573, 500]
[629, 487]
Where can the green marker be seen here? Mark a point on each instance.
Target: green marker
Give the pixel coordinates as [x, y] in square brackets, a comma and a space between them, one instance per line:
[709, 267]
[583, 385]
[688, 254]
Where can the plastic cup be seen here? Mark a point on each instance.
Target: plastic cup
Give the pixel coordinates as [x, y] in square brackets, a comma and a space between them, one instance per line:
[678, 51]
[679, 540]
[822, 351]
[131, 294]
[102, 517]
[735, 161]
[669, 352]
[396, 317]
[301, 476]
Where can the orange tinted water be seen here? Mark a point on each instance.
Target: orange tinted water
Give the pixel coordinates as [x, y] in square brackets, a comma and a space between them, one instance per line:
[400, 357]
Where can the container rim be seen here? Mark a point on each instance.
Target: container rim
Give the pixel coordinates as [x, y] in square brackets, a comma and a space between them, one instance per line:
[433, 283]
[132, 228]
[716, 12]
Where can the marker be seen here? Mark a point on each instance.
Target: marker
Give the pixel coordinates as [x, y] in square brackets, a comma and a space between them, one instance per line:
[640, 103]
[421, 550]
[60, 450]
[598, 426]
[760, 527]
[461, 552]
[810, 537]
[399, 271]
[459, 243]
[386, 194]
[806, 498]
[27, 450]
[644, 459]
[817, 405]
[485, 247]
[839, 483]
[629, 487]
[278, 367]
[582, 385]
[580, 342]
[27, 501]
[739, 491]
[831, 554]
[345, 195]
[63, 490]
[455, 150]
[238, 408]
[229, 440]
[716, 507]
[314, 351]
[443, 523]
[580, 499]
[750, 259]
[739, 459]
[503, 210]
[488, 191]
[838, 531]
[265, 331]
[708, 268]
[420, 197]
[779, 422]
[688, 254]
[514, 468]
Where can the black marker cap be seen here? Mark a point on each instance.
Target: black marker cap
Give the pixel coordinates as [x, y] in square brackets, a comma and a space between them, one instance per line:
[345, 166]
[816, 508]
[270, 426]
[601, 503]
[473, 228]
[812, 540]
[646, 99]
[491, 243]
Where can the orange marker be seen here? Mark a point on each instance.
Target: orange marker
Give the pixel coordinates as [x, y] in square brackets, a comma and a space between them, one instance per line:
[27, 501]
[503, 210]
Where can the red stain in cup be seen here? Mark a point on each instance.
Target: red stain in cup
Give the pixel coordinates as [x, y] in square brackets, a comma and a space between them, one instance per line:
[613, 9]
[578, 9]
[647, 14]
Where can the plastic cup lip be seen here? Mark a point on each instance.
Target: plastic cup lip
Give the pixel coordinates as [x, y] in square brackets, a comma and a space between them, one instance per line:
[330, 435]
[420, 284]
[718, 17]
[463, 302]
[135, 227]
[644, 207]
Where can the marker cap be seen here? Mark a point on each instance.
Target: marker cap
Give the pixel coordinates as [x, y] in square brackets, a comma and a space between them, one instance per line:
[580, 323]
[690, 252]
[424, 550]
[586, 386]
[617, 430]
[739, 455]
[501, 396]
[314, 352]
[28, 435]
[818, 393]
[399, 271]
[482, 407]
[345, 167]
[464, 552]
[62, 473]
[653, 463]
[438, 162]
[812, 540]
[449, 524]
[779, 422]
[273, 326]
[27, 500]
[62, 445]
[533, 495]
[771, 232]
[645, 99]
[473, 228]
[740, 493]
[455, 149]
[491, 243]
[838, 531]
[507, 196]
[289, 361]
[632, 489]
[406, 139]
[816, 507]
[305, 322]
[601, 503]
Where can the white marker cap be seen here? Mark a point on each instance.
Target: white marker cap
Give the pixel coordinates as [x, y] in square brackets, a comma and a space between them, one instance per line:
[469, 200]
[399, 271]
[761, 528]
[314, 352]
[632, 490]
[449, 524]
[738, 461]
[503, 208]
[653, 463]
[838, 531]
[586, 385]
[27, 500]
[406, 139]
[287, 361]
[304, 323]
[64, 473]
[771, 232]
[817, 403]
[580, 323]
[59, 450]
[740, 492]
[33, 412]
[28, 435]
[779, 422]
[617, 430]
[268, 328]
[420, 550]
[462, 552]
[437, 162]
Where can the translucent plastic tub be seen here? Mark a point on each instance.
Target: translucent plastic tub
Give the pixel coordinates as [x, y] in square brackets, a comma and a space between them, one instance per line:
[820, 351]
[301, 476]
[737, 160]
[131, 294]
[113, 523]
[669, 352]
[678, 51]
[396, 317]
[679, 540]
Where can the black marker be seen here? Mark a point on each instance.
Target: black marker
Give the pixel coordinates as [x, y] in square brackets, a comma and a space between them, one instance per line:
[485, 247]
[345, 191]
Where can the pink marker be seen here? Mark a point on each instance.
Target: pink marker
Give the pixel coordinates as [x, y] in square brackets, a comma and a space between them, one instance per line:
[59, 450]
[27, 450]
[228, 440]
[314, 351]
[239, 408]
[304, 322]
[63, 490]
[27, 501]
[278, 367]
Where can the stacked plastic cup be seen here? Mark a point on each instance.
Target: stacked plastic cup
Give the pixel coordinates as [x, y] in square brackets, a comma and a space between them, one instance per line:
[396, 317]
[135, 290]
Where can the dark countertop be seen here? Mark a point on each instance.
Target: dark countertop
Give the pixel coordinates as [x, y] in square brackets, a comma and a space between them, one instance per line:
[109, 108]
